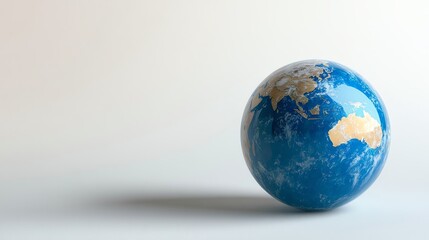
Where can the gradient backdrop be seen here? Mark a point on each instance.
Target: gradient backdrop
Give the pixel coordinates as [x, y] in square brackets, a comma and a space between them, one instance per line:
[121, 119]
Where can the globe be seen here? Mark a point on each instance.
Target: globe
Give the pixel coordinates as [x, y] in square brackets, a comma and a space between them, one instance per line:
[315, 135]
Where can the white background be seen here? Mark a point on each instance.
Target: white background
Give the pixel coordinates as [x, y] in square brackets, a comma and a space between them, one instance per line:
[121, 119]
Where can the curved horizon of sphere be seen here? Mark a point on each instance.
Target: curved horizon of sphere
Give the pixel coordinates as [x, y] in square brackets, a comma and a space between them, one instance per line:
[315, 135]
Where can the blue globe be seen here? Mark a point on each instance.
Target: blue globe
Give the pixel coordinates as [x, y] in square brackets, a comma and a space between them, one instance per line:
[315, 135]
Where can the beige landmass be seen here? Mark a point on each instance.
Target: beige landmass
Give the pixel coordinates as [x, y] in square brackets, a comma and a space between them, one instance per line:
[301, 112]
[364, 128]
[293, 81]
[315, 110]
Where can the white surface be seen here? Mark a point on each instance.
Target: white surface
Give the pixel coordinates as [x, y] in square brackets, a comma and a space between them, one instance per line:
[120, 119]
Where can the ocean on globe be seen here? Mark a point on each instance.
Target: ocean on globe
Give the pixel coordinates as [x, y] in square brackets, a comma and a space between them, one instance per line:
[315, 135]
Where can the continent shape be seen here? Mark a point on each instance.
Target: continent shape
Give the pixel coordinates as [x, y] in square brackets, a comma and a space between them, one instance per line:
[365, 129]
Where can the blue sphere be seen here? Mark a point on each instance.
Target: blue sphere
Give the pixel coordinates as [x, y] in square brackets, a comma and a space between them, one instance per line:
[315, 135]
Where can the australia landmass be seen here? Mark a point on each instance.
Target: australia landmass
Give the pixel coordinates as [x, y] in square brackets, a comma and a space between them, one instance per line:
[365, 129]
